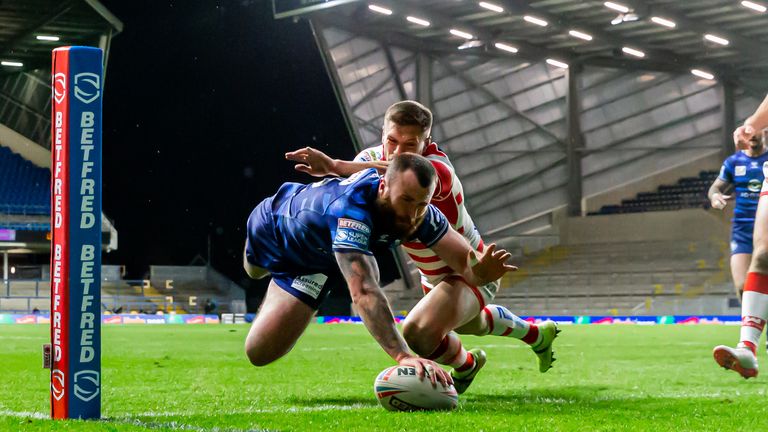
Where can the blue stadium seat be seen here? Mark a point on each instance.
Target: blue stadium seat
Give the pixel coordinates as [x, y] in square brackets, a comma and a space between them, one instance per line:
[24, 188]
[688, 192]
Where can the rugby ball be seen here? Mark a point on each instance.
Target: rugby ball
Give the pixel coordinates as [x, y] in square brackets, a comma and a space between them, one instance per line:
[399, 388]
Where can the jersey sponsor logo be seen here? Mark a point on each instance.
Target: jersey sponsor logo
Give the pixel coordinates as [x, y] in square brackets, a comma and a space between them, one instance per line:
[754, 185]
[354, 225]
[740, 170]
[311, 285]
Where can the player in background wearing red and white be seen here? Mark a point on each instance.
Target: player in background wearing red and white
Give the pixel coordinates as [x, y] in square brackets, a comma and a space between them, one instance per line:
[451, 305]
[754, 302]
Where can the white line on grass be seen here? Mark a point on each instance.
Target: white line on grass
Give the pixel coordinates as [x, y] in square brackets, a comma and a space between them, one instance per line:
[24, 414]
[327, 407]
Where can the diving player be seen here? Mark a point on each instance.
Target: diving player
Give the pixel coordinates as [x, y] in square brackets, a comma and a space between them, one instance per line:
[304, 231]
[451, 302]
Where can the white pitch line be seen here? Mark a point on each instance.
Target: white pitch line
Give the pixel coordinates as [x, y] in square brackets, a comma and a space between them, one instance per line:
[327, 407]
[25, 414]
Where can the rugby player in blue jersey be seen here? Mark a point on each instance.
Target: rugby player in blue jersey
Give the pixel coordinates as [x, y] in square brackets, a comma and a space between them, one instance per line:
[303, 232]
[743, 170]
[754, 301]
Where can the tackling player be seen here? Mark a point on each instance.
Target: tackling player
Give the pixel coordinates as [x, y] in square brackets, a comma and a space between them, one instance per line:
[451, 302]
[303, 232]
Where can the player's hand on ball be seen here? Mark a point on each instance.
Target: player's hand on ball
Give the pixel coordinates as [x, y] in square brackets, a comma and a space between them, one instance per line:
[719, 201]
[434, 372]
[491, 265]
[742, 135]
[312, 161]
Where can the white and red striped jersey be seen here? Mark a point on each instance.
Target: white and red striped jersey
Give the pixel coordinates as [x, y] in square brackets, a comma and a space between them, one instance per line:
[449, 198]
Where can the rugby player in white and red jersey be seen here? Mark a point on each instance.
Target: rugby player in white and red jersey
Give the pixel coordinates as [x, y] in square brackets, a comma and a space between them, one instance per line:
[451, 305]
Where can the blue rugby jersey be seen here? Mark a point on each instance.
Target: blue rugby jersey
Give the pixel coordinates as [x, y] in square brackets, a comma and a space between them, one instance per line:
[746, 174]
[297, 230]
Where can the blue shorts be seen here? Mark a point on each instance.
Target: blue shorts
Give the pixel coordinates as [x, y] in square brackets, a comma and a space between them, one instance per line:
[309, 289]
[741, 237]
[263, 250]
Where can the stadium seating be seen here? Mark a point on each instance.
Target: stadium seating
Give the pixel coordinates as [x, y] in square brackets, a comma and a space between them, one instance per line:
[688, 192]
[607, 279]
[24, 188]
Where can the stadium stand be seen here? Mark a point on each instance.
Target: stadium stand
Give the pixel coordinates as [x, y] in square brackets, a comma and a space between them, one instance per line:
[688, 192]
[24, 187]
[606, 278]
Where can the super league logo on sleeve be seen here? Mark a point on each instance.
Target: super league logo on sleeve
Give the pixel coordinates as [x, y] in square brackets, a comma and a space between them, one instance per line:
[87, 87]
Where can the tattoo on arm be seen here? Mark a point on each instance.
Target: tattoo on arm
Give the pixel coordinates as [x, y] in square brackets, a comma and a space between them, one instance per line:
[362, 275]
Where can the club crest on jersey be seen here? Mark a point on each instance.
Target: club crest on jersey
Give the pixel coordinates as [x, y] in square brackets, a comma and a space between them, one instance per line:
[740, 170]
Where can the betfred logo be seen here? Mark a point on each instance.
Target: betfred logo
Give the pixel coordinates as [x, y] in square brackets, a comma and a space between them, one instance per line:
[87, 87]
[87, 385]
[57, 384]
[59, 87]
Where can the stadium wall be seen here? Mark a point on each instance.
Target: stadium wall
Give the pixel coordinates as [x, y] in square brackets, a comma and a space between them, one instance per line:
[688, 224]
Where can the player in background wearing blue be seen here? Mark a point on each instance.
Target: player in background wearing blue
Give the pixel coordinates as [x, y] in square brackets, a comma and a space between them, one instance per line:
[303, 232]
[754, 301]
[743, 170]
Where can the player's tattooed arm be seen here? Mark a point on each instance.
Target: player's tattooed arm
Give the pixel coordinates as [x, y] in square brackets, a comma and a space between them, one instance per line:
[716, 196]
[362, 275]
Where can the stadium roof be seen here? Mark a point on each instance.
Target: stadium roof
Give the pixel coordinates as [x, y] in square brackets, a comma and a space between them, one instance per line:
[723, 37]
[553, 105]
[29, 28]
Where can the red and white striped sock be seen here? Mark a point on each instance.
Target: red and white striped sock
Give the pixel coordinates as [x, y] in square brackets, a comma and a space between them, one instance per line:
[502, 322]
[754, 310]
[451, 352]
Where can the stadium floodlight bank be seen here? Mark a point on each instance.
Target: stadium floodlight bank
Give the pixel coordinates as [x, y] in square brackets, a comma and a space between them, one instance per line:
[74, 355]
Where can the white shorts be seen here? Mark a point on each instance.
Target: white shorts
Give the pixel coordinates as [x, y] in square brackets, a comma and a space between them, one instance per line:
[485, 294]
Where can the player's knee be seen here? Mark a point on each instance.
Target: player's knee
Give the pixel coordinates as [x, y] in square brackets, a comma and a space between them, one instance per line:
[421, 338]
[258, 353]
[258, 357]
[760, 260]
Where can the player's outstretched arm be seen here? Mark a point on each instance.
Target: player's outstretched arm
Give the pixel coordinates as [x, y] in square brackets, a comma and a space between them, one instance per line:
[752, 125]
[716, 196]
[316, 163]
[362, 275]
[454, 249]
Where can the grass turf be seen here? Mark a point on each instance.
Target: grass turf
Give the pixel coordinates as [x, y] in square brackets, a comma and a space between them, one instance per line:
[176, 377]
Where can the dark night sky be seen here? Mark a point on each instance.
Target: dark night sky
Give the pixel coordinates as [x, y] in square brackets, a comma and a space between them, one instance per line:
[202, 99]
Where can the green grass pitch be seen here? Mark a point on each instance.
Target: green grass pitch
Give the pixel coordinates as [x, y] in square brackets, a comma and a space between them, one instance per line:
[196, 378]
